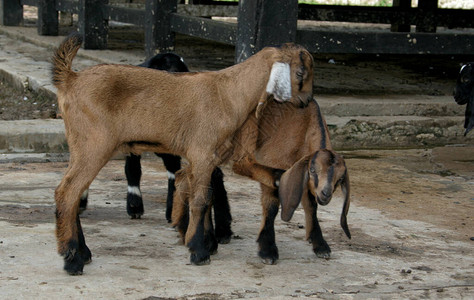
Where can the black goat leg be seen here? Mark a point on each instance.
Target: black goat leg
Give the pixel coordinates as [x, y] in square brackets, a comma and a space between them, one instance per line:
[172, 164]
[133, 172]
[268, 250]
[222, 215]
[313, 230]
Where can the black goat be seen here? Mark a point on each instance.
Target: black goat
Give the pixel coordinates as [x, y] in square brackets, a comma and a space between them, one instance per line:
[172, 63]
[464, 94]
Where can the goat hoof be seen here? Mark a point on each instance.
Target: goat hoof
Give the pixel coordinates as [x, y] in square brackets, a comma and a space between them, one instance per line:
[224, 236]
[323, 251]
[200, 259]
[269, 261]
[135, 216]
[270, 256]
[224, 240]
[73, 263]
[324, 255]
[135, 206]
[212, 244]
[86, 255]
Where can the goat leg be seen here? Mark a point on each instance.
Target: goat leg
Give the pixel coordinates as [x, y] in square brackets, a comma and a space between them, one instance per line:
[199, 206]
[172, 164]
[180, 213]
[313, 231]
[222, 216]
[133, 172]
[268, 250]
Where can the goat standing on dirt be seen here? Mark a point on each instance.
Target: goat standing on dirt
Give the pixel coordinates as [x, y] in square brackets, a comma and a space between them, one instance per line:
[286, 138]
[171, 62]
[464, 94]
[194, 115]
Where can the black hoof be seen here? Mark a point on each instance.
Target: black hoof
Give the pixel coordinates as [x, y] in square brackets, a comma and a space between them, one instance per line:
[212, 246]
[269, 261]
[73, 263]
[200, 259]
[135, 206]
[223, 236]
[224, 240]
[86, 255]
[74, 260]
[269, 256]
[323, 250]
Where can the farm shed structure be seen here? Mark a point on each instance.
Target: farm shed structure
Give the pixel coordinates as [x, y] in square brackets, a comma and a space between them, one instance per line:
[253, 24]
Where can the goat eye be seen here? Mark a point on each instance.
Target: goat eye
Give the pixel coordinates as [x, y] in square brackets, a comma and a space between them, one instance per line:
[299, 74]
[465, 79]
[312, 170]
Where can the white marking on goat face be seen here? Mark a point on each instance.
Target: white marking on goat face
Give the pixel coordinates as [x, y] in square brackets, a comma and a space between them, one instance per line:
[171, 175]
[279, 83]
[134, 190]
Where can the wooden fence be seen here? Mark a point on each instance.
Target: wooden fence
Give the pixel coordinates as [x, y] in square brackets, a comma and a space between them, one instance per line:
[413, 30]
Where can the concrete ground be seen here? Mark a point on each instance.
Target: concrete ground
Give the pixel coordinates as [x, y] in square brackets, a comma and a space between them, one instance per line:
[410, 217]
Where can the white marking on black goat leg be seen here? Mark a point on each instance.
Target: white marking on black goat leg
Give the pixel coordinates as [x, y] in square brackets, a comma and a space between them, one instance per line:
[135, 190]
[171, 175]
[85, 195]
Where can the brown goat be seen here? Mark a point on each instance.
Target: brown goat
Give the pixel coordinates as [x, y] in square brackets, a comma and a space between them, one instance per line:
[194, 115]
[284, 138]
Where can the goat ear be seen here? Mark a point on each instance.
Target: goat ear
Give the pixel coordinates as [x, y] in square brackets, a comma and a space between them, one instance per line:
[279, 83]
[345, 187]
[293, 187]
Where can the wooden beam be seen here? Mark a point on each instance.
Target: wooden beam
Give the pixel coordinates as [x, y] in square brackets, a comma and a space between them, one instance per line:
[67, 6]
[363, 42]
[126, 15]
[30, 2]
[217, 31]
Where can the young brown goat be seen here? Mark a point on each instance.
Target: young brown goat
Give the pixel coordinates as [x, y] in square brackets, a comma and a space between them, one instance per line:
[194, 115]
[284, 138]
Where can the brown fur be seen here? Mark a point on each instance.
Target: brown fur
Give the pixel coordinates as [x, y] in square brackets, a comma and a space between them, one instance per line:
[113, 107]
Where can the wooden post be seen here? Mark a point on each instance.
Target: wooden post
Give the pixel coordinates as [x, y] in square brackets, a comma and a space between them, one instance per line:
[426, 19]
[93, 23]
[11, 12]
[264, 23]
[158, 34]
[401, 25]
[47, 18]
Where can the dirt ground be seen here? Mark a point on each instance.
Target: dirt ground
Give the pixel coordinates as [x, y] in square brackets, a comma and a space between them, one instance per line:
[411, 222]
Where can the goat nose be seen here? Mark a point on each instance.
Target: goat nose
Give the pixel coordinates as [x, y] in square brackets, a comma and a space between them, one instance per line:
[326, 193]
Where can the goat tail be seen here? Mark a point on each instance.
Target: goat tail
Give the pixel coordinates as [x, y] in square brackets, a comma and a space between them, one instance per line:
[62, 58]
